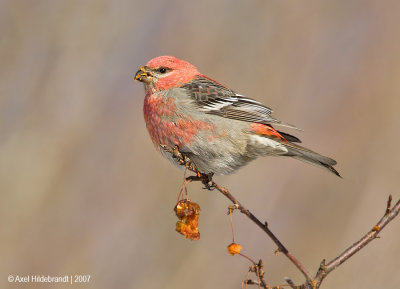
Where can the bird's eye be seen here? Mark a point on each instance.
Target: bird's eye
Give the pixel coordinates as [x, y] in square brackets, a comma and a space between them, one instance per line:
[162, 70]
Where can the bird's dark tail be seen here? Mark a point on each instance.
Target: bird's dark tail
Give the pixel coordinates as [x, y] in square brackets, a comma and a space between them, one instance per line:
[306, 155]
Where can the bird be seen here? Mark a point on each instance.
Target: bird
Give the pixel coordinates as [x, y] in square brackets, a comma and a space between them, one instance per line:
[217, 128]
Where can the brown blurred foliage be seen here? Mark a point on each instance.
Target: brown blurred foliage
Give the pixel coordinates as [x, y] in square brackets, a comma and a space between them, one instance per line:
[84, 192]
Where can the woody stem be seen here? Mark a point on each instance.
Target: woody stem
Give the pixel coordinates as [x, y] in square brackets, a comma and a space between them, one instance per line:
[265, 228]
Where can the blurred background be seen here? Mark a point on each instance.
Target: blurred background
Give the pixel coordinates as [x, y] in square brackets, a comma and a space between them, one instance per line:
[84, 191]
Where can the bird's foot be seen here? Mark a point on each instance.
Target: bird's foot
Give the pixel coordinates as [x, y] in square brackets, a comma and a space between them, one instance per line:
[184, 160]
[205, 179]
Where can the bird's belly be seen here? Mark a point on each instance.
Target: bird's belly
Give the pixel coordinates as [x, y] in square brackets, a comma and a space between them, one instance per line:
[223, 164]
[221, 151]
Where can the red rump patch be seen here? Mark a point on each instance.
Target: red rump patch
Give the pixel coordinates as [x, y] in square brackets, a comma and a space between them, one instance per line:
[266, 130]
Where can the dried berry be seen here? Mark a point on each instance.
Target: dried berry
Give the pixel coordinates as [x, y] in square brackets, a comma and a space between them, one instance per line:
[234, 249]
[188, 215]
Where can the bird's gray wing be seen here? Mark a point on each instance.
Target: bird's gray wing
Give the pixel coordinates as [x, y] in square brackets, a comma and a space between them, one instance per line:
[214, 98]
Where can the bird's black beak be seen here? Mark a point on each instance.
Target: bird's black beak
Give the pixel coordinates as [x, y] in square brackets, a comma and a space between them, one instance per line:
[144, 75]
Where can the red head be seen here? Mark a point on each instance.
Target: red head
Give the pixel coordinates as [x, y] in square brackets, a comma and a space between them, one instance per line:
[165, 72]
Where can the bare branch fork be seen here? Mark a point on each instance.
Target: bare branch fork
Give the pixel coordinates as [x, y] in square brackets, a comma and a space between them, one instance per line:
[324, 268]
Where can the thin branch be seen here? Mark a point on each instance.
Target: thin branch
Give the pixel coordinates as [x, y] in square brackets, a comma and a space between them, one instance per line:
[389, 215]
[324, 269]
[290, 282]
[265, 228]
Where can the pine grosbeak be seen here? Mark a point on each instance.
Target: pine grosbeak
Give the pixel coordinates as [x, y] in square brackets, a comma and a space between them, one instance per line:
[218, 129]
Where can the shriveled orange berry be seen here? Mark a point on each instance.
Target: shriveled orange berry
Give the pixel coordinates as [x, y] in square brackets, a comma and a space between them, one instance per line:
[186, 208]
[188, 215]
[188, 231]
[234, 249]
[180, 226]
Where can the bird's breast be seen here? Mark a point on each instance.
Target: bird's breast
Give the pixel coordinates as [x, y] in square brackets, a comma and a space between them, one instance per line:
[167, 125]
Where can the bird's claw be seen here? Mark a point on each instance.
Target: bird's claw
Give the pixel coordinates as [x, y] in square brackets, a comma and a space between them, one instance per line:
[209, 186]
[206, 179]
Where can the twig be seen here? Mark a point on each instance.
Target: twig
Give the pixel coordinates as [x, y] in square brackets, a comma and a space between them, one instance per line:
[324, 268]
[207, 179]
[390, 214]
[265, 228]
[290, 282]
